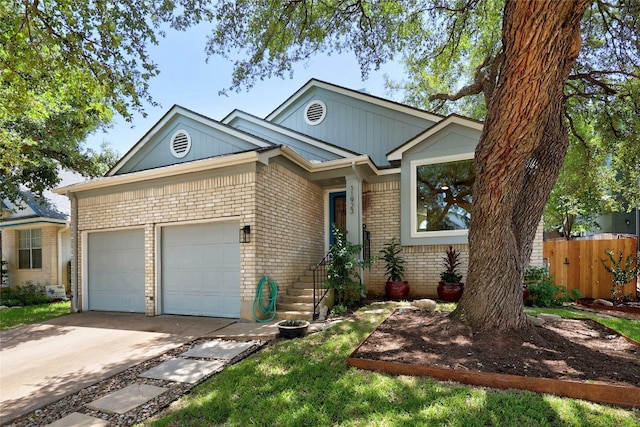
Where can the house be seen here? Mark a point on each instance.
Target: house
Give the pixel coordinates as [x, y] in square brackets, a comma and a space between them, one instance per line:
[198, 211]
[35, 237]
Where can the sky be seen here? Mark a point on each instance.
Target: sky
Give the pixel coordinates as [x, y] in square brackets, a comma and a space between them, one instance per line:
[188, 80]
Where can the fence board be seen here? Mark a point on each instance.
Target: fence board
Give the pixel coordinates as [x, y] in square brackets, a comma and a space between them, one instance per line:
[576, 264]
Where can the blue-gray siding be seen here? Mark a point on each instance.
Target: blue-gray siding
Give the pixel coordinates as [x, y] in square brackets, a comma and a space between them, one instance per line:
[206, 142]
[359, 126]
[308, 151]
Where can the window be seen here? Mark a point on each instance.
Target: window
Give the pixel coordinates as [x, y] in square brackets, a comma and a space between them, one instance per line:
[30, 248]
[442, 196]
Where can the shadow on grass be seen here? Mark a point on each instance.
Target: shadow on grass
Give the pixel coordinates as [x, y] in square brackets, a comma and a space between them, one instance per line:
[307, 382]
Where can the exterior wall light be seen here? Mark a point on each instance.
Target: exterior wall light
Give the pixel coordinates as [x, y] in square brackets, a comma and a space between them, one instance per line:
[245, 234]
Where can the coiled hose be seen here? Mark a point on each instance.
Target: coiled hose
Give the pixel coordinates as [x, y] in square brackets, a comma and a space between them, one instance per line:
[263, 305]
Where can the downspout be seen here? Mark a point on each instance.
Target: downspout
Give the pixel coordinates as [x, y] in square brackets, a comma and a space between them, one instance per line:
[60, 231]
[74, 251]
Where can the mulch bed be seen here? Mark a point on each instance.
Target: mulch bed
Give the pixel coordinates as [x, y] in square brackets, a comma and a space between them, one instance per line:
[580, 351]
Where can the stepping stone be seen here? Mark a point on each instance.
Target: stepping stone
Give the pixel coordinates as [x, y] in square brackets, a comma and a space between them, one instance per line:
[79, 420]
[126, 399]
[218, 349]
[183, 370]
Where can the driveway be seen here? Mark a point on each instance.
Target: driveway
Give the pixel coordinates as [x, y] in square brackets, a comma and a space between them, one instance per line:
[43, 362]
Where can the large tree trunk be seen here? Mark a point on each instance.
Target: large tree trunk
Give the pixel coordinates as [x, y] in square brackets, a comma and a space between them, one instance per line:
[519, 157]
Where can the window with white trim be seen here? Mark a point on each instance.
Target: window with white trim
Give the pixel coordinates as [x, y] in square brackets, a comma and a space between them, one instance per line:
[30, 249]
[442, 195]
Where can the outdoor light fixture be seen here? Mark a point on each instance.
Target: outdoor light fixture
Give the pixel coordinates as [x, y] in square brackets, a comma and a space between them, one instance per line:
[245, 234]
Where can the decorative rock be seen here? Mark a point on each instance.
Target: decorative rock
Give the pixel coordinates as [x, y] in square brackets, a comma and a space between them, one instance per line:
[323, 312]
[536, 321]
[425, 304]
[549, 317]
[601, 301]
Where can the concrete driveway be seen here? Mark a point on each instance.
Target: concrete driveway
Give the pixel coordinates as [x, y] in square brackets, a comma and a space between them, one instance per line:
[43, 362]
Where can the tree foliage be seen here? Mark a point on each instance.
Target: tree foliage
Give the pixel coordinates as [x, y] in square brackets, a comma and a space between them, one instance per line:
[532, 69]
[65, 68]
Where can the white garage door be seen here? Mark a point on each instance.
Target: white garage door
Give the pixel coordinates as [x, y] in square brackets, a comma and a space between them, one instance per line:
[116, 271]
[201, 269]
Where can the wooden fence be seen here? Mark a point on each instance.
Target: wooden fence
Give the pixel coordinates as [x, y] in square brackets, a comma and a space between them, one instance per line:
[576, 264]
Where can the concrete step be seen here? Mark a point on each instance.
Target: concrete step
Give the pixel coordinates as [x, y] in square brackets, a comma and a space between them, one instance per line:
[294, 314]
[303, 284]
[295, 306]
[285, 298]
[298, 292]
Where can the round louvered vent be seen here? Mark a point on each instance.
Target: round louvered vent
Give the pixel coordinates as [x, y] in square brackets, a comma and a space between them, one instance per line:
[180, 143]
[315, 112]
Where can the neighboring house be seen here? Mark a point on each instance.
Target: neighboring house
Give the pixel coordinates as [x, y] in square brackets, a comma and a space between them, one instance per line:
[199, 210]
[35, 237]
[619, 222]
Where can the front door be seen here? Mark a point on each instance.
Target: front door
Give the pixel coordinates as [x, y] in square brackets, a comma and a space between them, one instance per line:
[337, 212]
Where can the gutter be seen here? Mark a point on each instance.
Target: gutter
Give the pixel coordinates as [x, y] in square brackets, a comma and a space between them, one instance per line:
[60, 231]
[74, 251]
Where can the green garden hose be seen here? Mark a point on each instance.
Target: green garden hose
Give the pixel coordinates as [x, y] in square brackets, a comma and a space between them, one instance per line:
[263, 305]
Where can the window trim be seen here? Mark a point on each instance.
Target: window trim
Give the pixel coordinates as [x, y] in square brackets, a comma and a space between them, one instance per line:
[413, 165]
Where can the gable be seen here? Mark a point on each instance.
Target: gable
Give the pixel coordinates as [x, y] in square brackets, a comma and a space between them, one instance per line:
[453, 135]
[207, 138]
[309, 148]
[452, 140]
[354, 120]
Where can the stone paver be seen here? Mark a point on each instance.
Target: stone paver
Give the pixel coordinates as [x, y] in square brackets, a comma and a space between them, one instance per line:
[183, 370]
[126, 399]
[219, 349]
[78, 420]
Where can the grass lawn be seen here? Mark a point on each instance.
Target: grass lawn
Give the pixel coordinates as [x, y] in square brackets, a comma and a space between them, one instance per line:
[629, 328]
[306, 382]
[19, 316]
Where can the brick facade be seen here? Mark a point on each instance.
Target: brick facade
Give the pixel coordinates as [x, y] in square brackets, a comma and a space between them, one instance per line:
[284, 210]
[286, 213]
[423, 263]
[290, 225]
[216, 198]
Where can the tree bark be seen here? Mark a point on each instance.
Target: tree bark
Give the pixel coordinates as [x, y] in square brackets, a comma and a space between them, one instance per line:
[519, 157]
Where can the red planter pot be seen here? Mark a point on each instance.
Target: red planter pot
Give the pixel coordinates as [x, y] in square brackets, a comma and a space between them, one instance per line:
[397, 290]
[450, 292]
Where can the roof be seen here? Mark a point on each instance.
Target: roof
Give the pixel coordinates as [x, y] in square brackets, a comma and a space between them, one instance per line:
[353, 94]
[55, 208]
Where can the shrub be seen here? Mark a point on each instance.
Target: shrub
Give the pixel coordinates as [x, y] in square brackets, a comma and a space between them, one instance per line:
[29, 294]
[343, 269]
[543, 292]
[621, 274]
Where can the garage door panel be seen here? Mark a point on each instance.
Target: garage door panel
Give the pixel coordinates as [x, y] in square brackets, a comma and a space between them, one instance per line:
[201, 269]
[116, 271]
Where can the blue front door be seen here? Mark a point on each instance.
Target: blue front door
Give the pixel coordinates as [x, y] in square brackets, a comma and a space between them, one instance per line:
[337, 212]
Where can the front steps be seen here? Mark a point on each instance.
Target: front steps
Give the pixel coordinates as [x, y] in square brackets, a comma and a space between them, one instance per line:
[297, 302]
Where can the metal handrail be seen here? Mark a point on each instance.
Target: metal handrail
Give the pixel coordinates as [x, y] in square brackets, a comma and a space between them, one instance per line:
[319, 278]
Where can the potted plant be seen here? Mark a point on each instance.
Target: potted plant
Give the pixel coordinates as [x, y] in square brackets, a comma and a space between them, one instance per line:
[396, 287]
[292, 328]
[450, 287]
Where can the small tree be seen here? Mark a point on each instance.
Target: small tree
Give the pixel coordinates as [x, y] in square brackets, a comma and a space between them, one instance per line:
[621, 274]
[343, 269]
[390, 253]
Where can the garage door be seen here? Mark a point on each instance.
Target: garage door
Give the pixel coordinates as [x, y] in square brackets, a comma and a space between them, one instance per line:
[201, 269]
[116, 271]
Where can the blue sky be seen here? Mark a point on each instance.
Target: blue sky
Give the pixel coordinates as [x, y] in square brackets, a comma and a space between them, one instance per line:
[188, 80]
